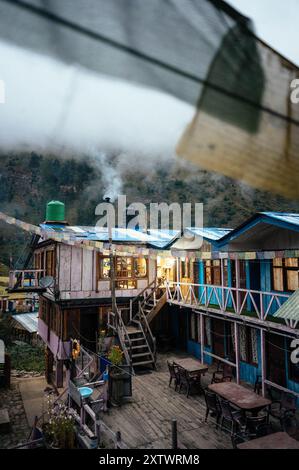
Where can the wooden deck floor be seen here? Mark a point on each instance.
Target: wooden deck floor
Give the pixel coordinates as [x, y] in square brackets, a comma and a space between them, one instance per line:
[146, 421]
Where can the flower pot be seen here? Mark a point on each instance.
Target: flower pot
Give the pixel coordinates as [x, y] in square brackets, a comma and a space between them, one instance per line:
[116, 387]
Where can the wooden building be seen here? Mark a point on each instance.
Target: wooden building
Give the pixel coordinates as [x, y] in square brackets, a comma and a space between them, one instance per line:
[232, 308]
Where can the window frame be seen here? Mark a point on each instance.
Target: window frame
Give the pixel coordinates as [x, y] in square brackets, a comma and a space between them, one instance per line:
[284, 270]
[212, 267]
[125, 280]
[248, 346]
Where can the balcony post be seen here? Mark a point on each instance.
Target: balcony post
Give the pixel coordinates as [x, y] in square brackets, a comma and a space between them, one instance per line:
[237, 349]
[237, 265]
[261, 306]
[202, 338]
[263, 362]
[222, 283]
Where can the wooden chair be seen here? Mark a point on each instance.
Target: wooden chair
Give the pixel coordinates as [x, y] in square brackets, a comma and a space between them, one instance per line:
[283, 409]
[188, 381]
[229, 415]
[223, 374]
[213, 406]
[257, 426]
[173, 375]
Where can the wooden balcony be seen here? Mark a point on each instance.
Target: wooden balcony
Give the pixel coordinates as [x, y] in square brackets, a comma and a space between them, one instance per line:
[220, 299]
[25, 280]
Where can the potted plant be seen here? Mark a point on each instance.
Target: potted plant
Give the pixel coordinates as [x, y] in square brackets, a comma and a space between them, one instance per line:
[59, 431]
[116, 375]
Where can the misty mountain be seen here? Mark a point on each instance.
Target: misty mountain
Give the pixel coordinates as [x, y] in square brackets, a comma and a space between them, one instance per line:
[28, 181]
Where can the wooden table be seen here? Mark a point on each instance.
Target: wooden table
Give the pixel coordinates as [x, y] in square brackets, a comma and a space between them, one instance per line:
[240, 396]
[191, 365]
[278, 440]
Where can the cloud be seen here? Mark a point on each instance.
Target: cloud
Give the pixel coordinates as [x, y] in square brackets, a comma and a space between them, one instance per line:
[65, 109]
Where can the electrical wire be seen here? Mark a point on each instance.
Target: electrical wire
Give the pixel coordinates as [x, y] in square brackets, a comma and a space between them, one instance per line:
[53, 17]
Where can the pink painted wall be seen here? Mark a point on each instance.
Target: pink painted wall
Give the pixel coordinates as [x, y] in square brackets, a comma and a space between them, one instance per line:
[60, 349]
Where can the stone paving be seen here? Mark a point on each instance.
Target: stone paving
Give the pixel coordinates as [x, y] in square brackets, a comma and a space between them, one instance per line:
[11, 399]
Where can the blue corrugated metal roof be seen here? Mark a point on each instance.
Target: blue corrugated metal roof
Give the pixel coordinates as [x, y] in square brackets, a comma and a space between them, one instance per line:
[156, 238]
[284, 217]
[27, 321]
[210, 233]
[286, 220]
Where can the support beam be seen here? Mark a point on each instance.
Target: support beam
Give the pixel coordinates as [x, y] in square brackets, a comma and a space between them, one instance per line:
[237, 349]
[263, 361]
[202, 337]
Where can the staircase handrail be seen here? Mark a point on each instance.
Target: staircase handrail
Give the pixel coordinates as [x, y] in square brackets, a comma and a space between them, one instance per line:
[122, 333]
[152, 286]
[148, 329]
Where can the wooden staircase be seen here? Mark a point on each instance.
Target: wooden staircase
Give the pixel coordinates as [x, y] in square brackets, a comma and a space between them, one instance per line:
[136, 337]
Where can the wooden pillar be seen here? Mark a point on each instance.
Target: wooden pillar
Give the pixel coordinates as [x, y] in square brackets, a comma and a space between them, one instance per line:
[237, 349]
[202, 337]
[237, 265]
[59, 373]
[263, 361]
[222, 283]
[48, 365]
[178, 270]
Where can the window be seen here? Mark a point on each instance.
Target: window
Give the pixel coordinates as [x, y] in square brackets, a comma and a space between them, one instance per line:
[123, 267]
[140, 267]
[194, 329]
[225, 272]
[248, 345]
[185, 267]
[105, 268]
[127, 271]
[50, 263]
[126, 284]
[285, 274]
[213, 272]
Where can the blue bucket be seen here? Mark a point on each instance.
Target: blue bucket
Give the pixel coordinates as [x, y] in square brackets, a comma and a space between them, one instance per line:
[85, 392]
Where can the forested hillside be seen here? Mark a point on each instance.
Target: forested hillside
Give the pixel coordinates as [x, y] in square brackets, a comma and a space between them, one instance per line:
[29, 180]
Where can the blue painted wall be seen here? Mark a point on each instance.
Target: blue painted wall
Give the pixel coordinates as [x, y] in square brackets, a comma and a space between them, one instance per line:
[195, 349]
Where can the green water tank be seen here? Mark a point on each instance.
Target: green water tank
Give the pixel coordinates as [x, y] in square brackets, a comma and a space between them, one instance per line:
[55, 212]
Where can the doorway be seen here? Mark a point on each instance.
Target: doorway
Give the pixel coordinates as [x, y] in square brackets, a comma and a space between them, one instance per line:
[218, 336]
[275, 357]
[89, 326]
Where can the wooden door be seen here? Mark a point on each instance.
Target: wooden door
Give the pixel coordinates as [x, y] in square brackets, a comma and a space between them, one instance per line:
[275, 359]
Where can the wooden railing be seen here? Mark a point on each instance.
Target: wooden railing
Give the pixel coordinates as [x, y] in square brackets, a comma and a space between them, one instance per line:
[116, 323]
[226, 299]
[25, 278]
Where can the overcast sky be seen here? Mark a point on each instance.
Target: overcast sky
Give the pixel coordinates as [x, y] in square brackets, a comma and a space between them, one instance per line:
[276, 22]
